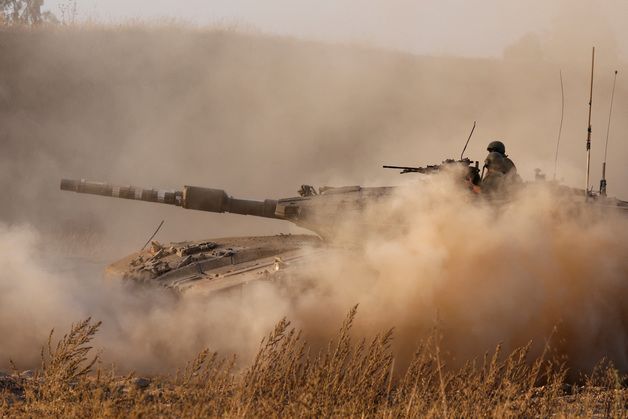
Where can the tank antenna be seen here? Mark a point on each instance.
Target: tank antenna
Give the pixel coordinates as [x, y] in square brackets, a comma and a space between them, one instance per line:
[588, 146]
[562, 115]
[154, 234]
[467, 143]
[608, 128]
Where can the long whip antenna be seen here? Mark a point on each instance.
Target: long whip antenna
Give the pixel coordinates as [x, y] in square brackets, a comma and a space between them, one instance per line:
[467, 143]
[562, 115]
[154, 234]
[608, 129]
[586, 189]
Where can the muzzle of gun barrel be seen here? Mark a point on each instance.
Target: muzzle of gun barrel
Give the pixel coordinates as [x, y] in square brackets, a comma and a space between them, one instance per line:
[125, 192]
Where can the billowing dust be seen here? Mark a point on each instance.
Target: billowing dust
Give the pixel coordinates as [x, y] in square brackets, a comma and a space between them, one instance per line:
[478, 272]
[259, 116]
[538, 268]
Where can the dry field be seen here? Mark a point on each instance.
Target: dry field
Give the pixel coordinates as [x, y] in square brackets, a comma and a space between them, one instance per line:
[348, 379]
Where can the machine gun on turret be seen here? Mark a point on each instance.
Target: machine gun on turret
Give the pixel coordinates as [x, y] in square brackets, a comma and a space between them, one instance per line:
[470, 169]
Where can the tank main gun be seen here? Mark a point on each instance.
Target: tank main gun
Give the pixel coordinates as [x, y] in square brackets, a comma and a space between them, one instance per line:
[191, 197]
[319, 212]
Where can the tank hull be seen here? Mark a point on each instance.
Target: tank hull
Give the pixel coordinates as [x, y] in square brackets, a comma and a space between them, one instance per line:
[210, 266]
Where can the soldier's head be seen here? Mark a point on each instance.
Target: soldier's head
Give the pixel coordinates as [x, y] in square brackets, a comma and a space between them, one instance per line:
[497, 146]
[495, 162]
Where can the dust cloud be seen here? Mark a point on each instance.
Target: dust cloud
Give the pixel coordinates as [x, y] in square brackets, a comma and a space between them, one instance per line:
[259, 116]
[141, 325]
[478, 272]
[539, 268]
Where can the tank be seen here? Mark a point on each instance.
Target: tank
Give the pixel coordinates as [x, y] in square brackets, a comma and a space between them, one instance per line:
[216, 265]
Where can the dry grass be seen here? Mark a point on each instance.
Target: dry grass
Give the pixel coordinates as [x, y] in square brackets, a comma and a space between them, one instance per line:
[285, 379]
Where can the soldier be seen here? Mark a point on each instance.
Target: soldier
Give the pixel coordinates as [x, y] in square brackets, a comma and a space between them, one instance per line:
[499, 147]
[501, 171]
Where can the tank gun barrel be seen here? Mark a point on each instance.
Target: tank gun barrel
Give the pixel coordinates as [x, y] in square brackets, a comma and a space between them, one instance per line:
[191, 197]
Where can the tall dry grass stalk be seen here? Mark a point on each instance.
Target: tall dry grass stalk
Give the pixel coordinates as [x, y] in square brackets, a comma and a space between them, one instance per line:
[286, 379]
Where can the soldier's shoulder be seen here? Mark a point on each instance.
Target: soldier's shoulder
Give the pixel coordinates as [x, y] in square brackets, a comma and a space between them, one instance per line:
[509, 165]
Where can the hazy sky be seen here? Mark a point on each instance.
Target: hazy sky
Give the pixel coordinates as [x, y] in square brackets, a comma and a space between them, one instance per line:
[460, 27]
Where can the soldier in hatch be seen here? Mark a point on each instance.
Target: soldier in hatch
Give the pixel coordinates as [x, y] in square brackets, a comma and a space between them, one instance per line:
[500, 170]
[499, 147]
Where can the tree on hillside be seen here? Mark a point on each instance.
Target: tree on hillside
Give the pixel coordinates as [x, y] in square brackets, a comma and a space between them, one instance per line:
[24, 12]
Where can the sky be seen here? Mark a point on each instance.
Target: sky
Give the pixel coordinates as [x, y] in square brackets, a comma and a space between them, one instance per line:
[442, 27]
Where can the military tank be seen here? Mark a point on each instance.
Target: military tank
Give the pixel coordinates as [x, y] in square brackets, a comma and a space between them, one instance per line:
[210, 266]
[215, 265]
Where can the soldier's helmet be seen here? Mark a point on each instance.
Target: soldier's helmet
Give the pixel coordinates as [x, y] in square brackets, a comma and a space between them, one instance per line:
[497, 146]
